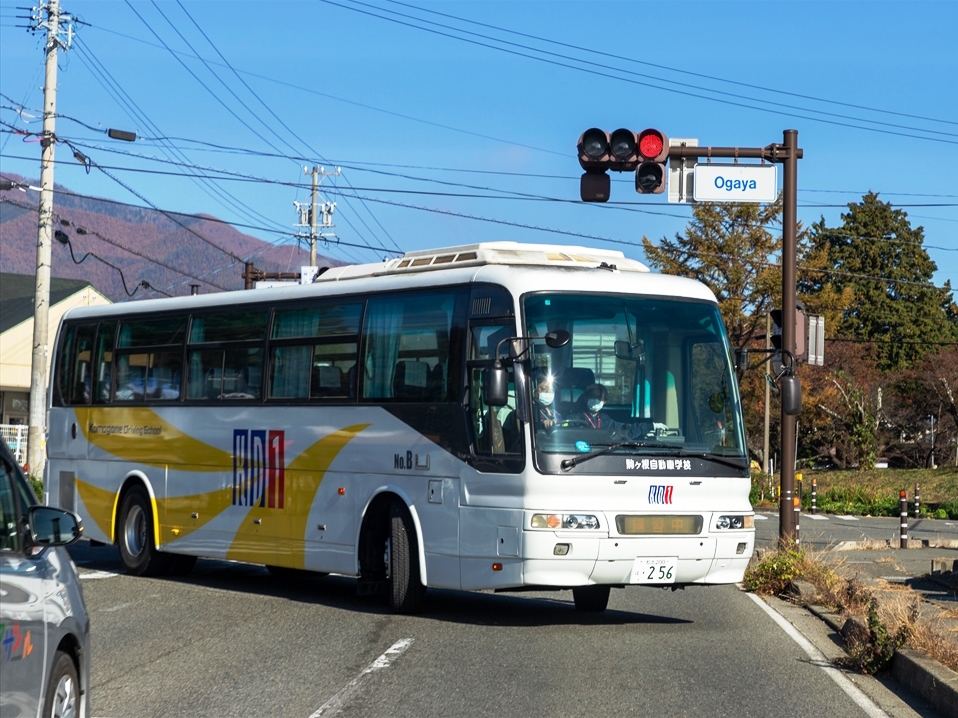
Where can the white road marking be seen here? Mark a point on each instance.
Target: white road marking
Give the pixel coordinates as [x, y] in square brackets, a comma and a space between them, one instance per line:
[814, 517]
[334, 704]
[819, 659]
[848, 518]
[118, 607]
[98, 574]
[759, 517]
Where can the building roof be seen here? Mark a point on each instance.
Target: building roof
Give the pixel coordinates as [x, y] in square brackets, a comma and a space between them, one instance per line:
[16, 296]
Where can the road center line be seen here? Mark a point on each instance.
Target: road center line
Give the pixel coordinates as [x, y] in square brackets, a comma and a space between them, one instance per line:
[334, 704]
[819, 659]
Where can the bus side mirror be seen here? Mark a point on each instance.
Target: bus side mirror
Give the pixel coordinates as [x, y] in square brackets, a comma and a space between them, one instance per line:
[791, 395]
[495, 385]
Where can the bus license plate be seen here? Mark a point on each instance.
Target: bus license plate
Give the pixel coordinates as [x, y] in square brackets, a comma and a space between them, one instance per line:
[654, 570]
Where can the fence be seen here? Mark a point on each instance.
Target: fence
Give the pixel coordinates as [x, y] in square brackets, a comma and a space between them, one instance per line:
[15, 435]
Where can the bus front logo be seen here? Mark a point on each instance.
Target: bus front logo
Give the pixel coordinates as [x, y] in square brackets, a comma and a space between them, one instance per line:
[660, 494]
[259, 467]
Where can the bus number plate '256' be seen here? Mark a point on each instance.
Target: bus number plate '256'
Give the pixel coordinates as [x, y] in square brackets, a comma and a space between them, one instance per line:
[654, 570]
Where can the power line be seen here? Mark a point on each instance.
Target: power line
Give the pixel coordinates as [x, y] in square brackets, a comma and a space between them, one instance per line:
[266, 106]
[118, 245]
[113, 88]
[600, 73]
[637, 74]
[672, 69]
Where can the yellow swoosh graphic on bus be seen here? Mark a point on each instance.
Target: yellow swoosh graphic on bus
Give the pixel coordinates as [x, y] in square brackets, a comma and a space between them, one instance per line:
[139, 434]
[304, 474]
[100, 505]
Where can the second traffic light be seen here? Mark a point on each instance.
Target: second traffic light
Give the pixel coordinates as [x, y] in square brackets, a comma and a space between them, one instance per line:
[645, 153]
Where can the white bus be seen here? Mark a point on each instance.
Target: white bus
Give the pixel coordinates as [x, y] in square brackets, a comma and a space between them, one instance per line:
[383, 422]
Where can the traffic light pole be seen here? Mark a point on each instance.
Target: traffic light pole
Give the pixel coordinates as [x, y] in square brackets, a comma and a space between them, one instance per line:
[787, 154]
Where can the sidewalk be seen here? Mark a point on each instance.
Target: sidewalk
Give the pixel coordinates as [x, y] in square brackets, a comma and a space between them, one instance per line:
[896, 577]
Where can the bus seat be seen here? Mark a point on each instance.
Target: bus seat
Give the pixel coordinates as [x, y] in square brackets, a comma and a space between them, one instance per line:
[410, 380]
[327, 381]
[569, 386]
[436, 388]
[350, 387]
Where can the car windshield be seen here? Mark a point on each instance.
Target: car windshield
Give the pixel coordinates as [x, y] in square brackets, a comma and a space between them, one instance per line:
[654, 374]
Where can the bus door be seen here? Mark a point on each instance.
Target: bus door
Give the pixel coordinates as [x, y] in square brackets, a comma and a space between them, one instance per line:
[70, 424]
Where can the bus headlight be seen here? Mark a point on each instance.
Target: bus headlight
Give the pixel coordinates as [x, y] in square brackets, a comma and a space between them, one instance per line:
[734, 522]
[564, 521]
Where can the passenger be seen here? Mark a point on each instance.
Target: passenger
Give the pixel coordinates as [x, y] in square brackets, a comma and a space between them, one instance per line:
[546, 415]
[589, 410]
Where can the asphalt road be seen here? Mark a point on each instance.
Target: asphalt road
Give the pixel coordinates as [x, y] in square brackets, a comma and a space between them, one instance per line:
[231, 640]
[824, 531]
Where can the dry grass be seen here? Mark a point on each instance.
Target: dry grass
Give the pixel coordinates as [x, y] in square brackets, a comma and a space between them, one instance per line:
[929, 628]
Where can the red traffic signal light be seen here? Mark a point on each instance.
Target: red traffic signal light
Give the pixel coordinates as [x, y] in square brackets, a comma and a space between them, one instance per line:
[622, 151]
[653, 150]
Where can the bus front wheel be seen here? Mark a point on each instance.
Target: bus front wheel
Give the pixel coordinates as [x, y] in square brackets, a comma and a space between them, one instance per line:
[138, 552]
[402, 562]
[593, 599]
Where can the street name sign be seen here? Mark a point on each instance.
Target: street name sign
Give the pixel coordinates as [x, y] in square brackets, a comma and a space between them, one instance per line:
[735, 183]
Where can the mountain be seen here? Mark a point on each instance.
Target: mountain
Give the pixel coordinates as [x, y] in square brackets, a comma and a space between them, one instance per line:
[139, 242]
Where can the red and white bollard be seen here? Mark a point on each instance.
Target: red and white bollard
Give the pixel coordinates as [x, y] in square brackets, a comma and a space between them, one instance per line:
[814, 507]
[903, 496]
[917, 498]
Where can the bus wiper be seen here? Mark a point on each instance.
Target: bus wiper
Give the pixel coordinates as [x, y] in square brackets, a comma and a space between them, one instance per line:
[571, 463]
[713, 457]
[567, 464]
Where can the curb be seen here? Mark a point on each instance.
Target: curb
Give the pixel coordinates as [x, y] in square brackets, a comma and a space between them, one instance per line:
[877, 545]
[928, 679]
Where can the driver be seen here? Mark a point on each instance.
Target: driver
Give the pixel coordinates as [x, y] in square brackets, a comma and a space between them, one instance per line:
[546, 415]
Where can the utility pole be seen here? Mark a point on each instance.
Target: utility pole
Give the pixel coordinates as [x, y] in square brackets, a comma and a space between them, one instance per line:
[36, 436]
[312, 217]
[326, 208]
[768, 397]
[789, 158]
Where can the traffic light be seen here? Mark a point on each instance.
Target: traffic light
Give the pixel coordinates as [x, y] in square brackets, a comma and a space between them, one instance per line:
[653, 150]
[801, 353]
[620, 151]
[776, 315]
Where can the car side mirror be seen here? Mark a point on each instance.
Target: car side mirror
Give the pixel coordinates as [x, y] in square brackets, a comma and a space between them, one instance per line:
[53, 527]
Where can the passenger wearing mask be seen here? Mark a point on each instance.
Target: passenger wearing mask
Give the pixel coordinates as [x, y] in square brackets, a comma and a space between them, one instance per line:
[589, 410]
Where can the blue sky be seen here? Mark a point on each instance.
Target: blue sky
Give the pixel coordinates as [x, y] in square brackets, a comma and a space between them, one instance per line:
[419, 118]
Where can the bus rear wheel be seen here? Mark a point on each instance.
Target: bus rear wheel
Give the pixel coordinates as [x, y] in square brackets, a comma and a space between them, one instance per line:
[402, 562]
[138, 552]
[593, 599]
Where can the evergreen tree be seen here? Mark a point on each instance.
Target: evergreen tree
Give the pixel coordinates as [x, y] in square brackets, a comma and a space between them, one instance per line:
[878, 256]
[729, 248]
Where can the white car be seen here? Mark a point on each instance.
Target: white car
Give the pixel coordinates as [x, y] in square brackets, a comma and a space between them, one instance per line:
[44, 626]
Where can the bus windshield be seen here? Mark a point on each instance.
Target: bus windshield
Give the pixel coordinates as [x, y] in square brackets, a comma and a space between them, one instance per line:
[647, 376]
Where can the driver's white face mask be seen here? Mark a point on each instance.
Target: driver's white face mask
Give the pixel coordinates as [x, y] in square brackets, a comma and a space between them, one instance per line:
[546, 397]
[595, 405]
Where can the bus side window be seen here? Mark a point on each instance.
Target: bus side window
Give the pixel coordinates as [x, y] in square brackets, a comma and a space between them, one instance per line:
[408, 349]
[103, 363]
[65, 363]
[81, 370]
[496, 429]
